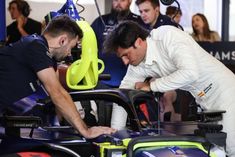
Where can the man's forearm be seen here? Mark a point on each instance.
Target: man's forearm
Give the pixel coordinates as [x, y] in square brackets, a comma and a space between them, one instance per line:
[66, 106]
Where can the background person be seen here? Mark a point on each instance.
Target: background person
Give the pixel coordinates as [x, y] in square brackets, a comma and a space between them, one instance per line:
[23, 25]
[31, 62]
[150, 14]
[174, 13]
[175, 61]
[113, 65]
[201, 29]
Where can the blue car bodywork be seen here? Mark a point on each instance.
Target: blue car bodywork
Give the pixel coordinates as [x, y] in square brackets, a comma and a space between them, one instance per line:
[33, 134]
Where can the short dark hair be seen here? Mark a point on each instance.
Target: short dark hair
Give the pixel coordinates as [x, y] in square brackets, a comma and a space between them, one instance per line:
[124, 35]
[22, 6]
[63, 24]
[172, 10]
[155, 3]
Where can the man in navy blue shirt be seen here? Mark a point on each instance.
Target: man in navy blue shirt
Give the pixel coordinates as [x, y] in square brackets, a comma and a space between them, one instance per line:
[31, 62]
[102, 26]
[151, 15]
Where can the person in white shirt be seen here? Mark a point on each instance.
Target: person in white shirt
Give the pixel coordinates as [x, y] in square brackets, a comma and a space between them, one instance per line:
[175, 61]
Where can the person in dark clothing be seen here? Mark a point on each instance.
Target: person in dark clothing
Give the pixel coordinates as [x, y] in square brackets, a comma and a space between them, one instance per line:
[150, 14]
[23, 25]
[174, 13]
[102, 26]
[31, 62]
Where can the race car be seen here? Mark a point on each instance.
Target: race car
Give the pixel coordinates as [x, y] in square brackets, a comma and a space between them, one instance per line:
[38, 132]
[144, 134]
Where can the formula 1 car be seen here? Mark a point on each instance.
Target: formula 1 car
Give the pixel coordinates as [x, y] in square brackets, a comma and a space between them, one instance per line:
[144, 134]
[37, 132]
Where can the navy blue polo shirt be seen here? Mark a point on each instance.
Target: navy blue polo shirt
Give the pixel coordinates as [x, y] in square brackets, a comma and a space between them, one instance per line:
[19, 64]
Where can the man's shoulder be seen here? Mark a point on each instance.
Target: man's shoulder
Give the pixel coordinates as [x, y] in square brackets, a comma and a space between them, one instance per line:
[164, 20]
[134, 17]
[164, 17]
[108, 19]
[165, 28]
[34, 40]
[31, 38]
[161, 31]
[104, 17]
[168, 32]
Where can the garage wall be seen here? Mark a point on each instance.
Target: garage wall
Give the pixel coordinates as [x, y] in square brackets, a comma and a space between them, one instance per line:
[41, 7]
